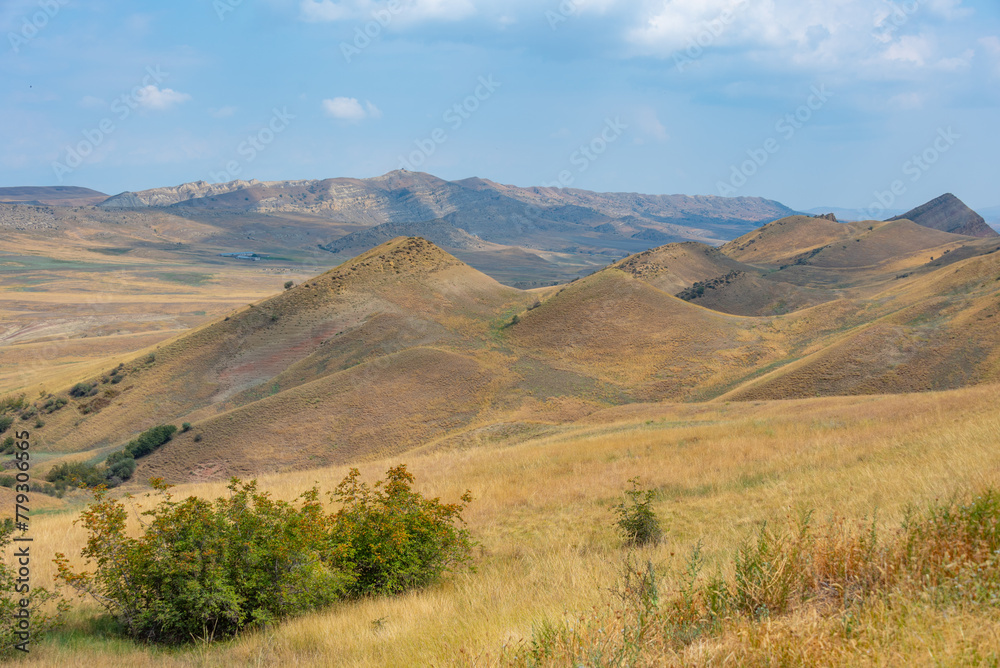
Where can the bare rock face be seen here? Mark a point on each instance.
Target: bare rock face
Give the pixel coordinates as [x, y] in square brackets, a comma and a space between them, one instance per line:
[949, 214]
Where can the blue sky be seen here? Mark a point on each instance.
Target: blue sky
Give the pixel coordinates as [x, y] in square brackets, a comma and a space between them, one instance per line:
[812, 103]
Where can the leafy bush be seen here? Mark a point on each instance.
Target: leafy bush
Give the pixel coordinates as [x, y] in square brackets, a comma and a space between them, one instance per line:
[7, 447]
[392, 538]
[150, 440]
[42, 617]
[75, 474]
[204, 569]
[83, 390]
[289, 284]
[636, 519]
[185, 427]
[119, 467]
[5, 423]
[52, 404]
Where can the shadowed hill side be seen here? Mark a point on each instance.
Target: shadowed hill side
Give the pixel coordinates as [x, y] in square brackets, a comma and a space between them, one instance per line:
[934, 331]
[648, 343]
[405, 293]
[708, 277]
[949, 214]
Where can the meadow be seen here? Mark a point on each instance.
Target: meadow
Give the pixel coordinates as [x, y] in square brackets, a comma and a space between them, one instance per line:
[549, 556]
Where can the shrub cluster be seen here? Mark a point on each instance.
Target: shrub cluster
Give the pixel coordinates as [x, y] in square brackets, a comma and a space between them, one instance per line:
[75, 474]
[83, 390]
[117, 468]
[204, 569]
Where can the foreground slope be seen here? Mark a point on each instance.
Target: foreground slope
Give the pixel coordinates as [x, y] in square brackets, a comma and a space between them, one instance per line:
[543, 515]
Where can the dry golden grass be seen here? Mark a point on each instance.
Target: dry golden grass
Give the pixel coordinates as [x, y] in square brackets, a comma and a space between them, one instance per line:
[542, 515]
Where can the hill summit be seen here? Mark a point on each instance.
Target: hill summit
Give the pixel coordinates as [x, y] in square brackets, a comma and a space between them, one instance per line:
[949, 214]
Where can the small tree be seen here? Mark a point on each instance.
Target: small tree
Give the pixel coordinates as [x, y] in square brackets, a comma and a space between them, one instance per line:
[289, 284]
[636, 519]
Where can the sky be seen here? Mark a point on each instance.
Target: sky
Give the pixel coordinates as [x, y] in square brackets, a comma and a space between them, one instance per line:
[847, 103]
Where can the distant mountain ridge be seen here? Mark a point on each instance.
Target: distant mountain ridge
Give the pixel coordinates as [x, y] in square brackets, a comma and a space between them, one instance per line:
[540, 218]
[52, 196]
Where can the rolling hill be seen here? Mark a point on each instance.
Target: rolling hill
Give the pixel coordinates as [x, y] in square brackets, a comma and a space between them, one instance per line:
[52, 196]
[406, 346]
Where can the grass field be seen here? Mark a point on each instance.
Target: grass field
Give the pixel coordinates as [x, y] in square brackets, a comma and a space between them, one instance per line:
[548, 551]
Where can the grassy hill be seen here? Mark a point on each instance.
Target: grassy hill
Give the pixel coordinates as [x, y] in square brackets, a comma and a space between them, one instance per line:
[405, 345]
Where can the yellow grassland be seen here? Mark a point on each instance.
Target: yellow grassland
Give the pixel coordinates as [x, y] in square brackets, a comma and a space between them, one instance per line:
[543, 517]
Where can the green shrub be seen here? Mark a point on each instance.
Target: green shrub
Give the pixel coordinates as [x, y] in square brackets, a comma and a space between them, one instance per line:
[636, 519]
[185, 427]
[52, 404]
[83, 390]
[5, 423]
[150, 440]
[289, 284]
[392, 538]
[204, 569]
[118, 467]
[75, 474]
[7, 447]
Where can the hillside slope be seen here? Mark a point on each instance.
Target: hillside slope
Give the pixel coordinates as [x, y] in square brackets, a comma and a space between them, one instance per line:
[407, 346]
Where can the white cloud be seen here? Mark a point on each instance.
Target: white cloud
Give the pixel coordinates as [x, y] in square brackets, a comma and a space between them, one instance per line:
[222, 112]
[909, 49]
[955, 63]
[158, 99]
[349, 109]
